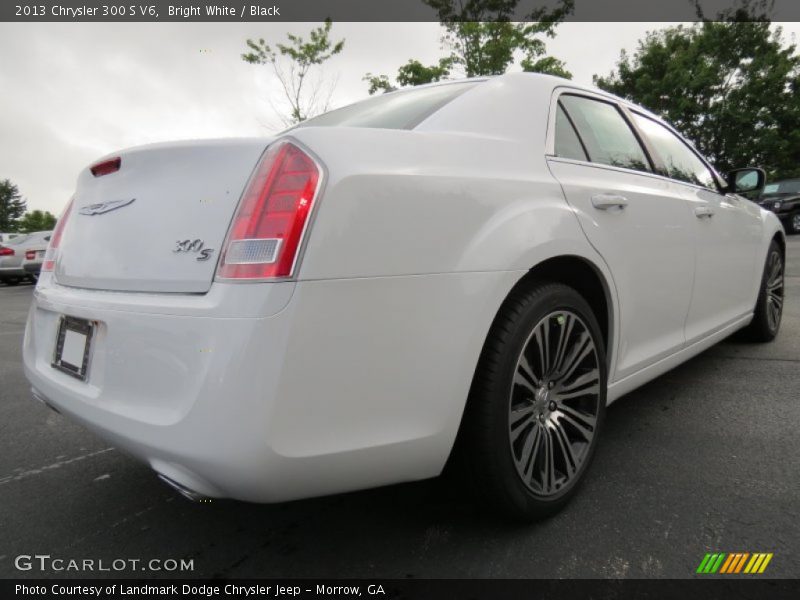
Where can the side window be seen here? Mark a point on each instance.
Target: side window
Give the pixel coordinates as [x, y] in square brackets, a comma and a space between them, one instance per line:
[605, 133]
[568, 144]
[680, 162]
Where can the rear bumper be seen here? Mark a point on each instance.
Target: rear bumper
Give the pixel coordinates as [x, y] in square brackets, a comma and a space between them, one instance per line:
[17, 271]
[183, 394]
[318, 387]
[32, 268]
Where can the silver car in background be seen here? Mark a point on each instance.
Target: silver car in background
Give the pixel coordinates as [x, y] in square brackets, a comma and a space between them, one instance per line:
[15, 266]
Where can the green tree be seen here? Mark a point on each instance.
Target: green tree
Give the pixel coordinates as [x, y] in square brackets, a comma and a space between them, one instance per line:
[12, 206]
[294, 64]
[730, 85]
[410, 74]
[36, 220]
[481, 39]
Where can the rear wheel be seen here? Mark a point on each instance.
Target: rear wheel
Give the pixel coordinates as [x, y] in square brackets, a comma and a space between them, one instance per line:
[537, 403]
[769, 306]
[11, 280]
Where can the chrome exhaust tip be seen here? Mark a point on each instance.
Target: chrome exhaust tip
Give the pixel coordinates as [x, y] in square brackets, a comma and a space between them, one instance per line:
[184, 491]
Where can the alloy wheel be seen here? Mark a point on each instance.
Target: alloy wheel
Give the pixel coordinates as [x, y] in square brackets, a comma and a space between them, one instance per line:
[554, 403]
[774, 290]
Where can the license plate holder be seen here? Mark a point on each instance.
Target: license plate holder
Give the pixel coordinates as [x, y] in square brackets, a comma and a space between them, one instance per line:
[73, 347]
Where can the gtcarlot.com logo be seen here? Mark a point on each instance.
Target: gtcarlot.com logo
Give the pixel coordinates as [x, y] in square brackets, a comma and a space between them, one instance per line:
[46, 562]
[733, 563]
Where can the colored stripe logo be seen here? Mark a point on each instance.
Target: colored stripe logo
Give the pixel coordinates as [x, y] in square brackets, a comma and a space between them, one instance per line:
[734, 562]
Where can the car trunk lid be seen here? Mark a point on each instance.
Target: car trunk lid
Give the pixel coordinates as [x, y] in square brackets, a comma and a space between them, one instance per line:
[157, 223]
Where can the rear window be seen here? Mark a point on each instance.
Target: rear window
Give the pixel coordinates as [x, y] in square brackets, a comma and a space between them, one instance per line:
[404, 109]
[20, 239]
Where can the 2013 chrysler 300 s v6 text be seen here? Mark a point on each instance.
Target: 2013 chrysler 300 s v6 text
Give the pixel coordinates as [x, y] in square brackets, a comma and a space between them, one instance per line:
[465, 272]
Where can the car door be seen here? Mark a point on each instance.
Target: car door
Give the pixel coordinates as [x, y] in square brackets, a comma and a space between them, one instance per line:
[638, 221]
[726, 232]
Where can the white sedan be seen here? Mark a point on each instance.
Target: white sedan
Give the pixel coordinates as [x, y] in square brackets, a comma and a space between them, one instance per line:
[465, 272]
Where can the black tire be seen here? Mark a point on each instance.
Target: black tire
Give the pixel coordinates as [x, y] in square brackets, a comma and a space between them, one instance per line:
[490, 449]
[769, 306]
[11, 281]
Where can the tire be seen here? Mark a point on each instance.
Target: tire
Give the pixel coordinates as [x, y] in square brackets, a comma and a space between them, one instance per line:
[769, 307]
[11, 281]
[516, 416]
[794, 223]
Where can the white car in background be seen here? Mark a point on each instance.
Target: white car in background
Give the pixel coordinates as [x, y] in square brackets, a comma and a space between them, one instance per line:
[474, 268]
[32, 263]
[4, 237]
[13, 256]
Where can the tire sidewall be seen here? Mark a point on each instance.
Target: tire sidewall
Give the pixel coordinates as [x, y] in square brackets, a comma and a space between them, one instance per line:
[556, 297]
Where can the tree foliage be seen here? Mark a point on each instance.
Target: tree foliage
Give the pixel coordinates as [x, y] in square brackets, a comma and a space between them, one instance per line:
[293, 64]
[482, 38]
[731, 86]
[12, 206]
[36, 220]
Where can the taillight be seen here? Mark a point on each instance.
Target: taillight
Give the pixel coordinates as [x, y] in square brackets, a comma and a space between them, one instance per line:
[265, 235]
[51, 255]
[6, 251]
[107, 166]
[30, 255]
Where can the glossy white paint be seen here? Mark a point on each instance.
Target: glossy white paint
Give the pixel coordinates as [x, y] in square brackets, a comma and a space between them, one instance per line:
[355, 373]
[177, 191]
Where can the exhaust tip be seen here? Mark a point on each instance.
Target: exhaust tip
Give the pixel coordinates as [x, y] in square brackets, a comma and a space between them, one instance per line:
[184, 491]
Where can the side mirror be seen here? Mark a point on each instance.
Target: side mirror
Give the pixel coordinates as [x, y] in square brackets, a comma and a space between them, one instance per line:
[741, 181]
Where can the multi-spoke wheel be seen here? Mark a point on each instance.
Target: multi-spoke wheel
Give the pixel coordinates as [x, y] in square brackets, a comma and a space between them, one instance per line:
[769, 306]
[554, 402]
[537, 402]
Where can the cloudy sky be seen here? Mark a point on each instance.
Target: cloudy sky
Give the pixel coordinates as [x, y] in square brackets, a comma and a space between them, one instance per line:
[71, 92]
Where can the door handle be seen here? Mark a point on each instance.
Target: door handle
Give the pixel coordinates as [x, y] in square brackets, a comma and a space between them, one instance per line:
[703, 212]
[606, 201]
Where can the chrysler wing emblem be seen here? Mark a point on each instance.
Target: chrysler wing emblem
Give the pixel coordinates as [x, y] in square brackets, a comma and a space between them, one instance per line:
[104, 207]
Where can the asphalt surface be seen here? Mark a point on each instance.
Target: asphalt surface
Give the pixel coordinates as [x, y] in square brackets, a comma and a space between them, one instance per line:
[705, 458]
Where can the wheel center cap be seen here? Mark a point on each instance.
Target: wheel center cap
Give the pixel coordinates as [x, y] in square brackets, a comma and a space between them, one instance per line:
[544, 405]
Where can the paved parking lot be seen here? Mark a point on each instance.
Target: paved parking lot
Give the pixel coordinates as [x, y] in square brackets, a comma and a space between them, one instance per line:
[705, 458]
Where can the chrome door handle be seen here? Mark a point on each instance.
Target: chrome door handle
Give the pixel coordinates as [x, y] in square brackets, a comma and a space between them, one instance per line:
[703, 212]
[606, 201]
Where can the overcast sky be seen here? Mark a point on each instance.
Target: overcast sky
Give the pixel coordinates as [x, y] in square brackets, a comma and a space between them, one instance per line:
[71, 92]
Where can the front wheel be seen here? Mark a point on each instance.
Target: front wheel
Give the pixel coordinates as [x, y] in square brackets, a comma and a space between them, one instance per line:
[794, 222]
[537, 402]
[769, 306]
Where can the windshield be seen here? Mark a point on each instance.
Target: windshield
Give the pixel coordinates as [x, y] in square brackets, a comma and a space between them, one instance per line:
[782, 187]
[404, 109]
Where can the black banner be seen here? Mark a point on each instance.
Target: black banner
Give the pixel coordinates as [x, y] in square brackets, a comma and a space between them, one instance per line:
[358, 10]
[411, 589]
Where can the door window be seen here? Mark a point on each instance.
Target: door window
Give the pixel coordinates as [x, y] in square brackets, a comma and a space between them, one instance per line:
[605, 133]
